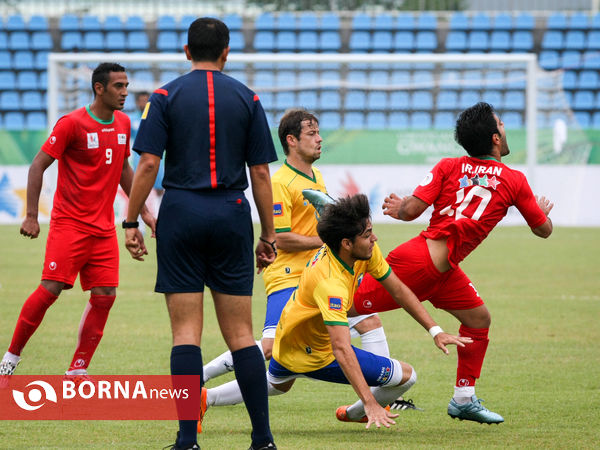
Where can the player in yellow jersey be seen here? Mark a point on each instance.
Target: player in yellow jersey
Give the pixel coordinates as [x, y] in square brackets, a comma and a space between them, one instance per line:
[313, 338]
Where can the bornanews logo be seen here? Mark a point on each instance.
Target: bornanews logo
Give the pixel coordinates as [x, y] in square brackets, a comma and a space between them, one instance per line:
[127, 397]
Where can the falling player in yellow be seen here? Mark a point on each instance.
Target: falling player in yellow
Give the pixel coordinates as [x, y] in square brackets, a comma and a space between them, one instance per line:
[313, 338]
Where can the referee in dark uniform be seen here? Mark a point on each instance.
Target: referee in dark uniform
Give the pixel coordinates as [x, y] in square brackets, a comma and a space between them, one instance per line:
[211, 127]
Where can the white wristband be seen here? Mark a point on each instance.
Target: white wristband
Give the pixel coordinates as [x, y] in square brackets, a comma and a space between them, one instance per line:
[434, 331]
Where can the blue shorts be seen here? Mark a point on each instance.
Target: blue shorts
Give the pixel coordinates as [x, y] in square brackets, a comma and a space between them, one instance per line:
[204, 238]
[377, 370]
[275, 304]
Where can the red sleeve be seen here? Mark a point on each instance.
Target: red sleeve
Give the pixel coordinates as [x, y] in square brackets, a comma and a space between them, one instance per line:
[431, 186]
[528, 207]
[60, 138]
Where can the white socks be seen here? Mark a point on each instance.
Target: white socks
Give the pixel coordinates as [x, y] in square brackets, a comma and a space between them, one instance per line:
[462, 395]
[222, 364]
[230, 394]
[374, 341]
[11, 357]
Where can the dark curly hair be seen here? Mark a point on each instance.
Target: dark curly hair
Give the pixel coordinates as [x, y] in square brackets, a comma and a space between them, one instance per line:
[345, 219]
[475, 127]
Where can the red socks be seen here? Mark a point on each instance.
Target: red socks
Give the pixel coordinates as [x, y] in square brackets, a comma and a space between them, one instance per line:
[91, 329]
[470, 357]
[31, 316]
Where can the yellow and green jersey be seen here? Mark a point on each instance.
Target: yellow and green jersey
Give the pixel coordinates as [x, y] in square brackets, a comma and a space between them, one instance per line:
[324, 296]
[291, 212]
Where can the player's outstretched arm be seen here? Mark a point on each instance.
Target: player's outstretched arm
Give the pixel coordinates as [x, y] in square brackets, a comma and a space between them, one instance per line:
[266, 248]
[411, 304]
[403, 208]
[546, 206]
[30, 226]
[344, 355]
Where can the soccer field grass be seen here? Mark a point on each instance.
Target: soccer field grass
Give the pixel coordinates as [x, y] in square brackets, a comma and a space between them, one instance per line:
[541, 373]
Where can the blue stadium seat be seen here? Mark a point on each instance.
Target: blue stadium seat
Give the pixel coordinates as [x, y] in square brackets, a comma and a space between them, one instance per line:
[427, 21]
[596, 120]
[423, 79]
[285, 41]
[354, 120]
[575, 40]
[499, 41]
[71, 40]
[422, 100]
[377, 100]
[185, 22]
[10, 101]
[494, 79]
[308, 21]
[471, 78]
[405, 22]
[357, 79]
[308, 41]
[115, 41]
[264, 41]
[5, 60]
[137, 40]
[37, 23]
[522, 41]
[443, 120]
[3, 40]
[593, 40]
[14, 121]
[382, 41]
[384, 22]
[166, 23]
[420, 120]
[595, 22]
[512, 120]
[286, 21]
[265, 22]
[376, 120]
[23, 60]
[285, 100]
[360, 41]
[18, 40]
[404, 41]
[36, 121]
[590, 60]
[7, 80]
[378, 79]
[330, 22]
[14, 23]
[266, 100]
[41, 40]
[41, 61]
[503, 22]
[478, 41]
[468, 98]
[68, 22]
[481, 21]
[456, 41]
[569, 80]
[285, 78]
[400, 79]
[233, 21]
[514, 100]
[450, 79]
[236, 41]
[27, 80]
[579, 21]
[308, 78]
[361, 21]
[398, 120]
[524, 21]
[493, 98]
[308, 100]
[549, 60]
[113, 23]
[584, 100]
[570, 60]
[167, 41]
[356, 100]
[90, 23]
[459, 21]
[583, 118]
[330, 121]
[134, 23]
[447, 100]
[263, 79]
[399, 100]
[426, 41]
[556, 21]
[166, 76]
[32, 101]
[516, 79]
[329, 41]
[553, 40]
[329, 100]
[588, 79]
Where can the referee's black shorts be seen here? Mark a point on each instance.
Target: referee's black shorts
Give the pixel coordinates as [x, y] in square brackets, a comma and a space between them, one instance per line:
[204, 238]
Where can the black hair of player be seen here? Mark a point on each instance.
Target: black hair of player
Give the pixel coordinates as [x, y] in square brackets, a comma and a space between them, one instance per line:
[475, 127]
[347, 218]
[102, 72]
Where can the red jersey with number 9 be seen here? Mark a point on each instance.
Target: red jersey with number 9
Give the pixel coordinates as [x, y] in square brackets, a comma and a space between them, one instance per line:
[470, 196]
[90, 155]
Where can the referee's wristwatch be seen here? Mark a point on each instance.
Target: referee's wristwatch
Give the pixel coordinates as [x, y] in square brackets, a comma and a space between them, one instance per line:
[126, 224]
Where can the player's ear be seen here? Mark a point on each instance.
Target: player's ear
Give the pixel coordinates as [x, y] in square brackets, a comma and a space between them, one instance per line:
[186, 49]
[290, 139]
[346, 244]
[98, 88]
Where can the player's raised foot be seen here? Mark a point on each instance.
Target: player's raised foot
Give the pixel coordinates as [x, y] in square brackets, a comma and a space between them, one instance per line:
[400, 405]
[268, 446]
[177, 447]
[317, 198]
[474, 411]
[203, 408]
[7, 368]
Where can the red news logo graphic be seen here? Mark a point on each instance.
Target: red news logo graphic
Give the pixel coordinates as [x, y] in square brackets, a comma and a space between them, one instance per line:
[109, 397]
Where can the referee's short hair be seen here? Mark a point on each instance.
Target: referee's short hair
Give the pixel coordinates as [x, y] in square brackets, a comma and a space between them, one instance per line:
[207, 38]
[291, 123]
[347, 218]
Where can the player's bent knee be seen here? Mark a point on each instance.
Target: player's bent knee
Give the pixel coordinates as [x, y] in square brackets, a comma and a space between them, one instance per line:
[409, 375]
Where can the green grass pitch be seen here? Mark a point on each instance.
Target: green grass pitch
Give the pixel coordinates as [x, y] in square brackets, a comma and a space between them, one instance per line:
[542, 370]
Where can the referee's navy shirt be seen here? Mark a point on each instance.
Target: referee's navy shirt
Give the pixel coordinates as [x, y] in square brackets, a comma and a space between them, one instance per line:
[211, 126]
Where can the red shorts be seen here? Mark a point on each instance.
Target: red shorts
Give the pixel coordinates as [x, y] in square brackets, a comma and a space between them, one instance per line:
[70, 252]
[412, 263]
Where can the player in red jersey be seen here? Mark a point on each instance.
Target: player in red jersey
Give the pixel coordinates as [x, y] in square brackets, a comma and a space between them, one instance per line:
[92, 146]
[470, 195]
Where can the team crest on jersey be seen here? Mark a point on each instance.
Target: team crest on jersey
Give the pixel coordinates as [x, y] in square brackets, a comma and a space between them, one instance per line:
[122, 138]
[335, 303]
[92, 140]
[478, 181]
[428, 178]
[277, 209]
[52, 140]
